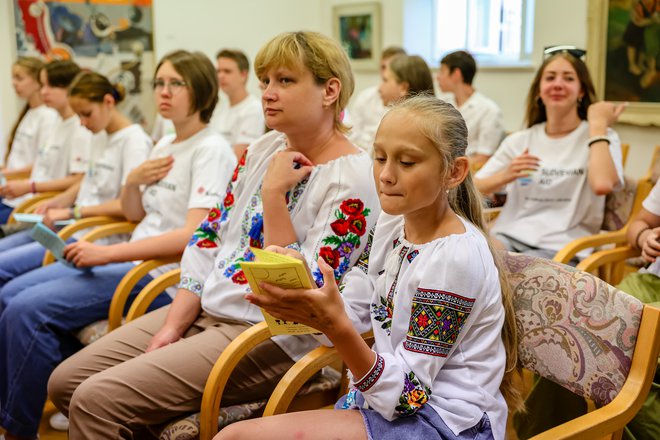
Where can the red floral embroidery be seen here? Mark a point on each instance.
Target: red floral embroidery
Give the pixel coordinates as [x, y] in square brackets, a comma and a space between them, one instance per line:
[239, 167]
[206, 243]
[357, 224]
[340, 226]
[229, 200]
[331, 256]
[239, 278]
[213, 214]
[352, 206]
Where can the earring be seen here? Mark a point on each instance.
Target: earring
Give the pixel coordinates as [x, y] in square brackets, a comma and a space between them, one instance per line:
[579, 101]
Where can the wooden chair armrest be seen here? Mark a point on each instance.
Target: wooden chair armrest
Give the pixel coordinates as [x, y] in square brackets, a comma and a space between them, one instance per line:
[220, 373]
[295, 378]
[123, 290]
[571, 249]
[155, 287]
[109, 230]
[19, 176]
[612, 417]
[84, 223]
[30, 204]
[491, 214]
[600, 258]
[301, 372]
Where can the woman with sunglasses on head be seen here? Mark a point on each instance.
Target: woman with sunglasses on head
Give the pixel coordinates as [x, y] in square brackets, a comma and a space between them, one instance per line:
[168, 195]
[558, 170]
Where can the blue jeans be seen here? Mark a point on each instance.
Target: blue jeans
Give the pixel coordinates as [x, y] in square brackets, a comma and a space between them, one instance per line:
[5, 212]
[38, 313]
[19, 254]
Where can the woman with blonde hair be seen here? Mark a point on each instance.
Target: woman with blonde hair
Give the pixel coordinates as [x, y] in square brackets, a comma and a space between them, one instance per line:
[301, 185]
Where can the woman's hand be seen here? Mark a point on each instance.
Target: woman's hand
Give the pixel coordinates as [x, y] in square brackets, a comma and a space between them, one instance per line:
[285, 170]
[603, 114]
[322, 309]
[55, 214]
[150, 171]
[47, 204]
[86, 254]
[15, 188]
[165, 336]
[521, 166]
[651, 245]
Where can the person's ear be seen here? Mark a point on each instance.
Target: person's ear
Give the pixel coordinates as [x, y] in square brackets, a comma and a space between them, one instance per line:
[404, 87]
[331, 91]
[244, 75]
[458, 172]
[109, 100]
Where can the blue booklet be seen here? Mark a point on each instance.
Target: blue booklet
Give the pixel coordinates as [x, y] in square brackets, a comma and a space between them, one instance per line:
[51, 241]
[23, 217]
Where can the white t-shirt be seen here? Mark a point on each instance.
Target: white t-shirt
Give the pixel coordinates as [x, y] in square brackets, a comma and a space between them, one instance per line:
[203, 165]
[331, 211]
[652, 204]
[242, 123]
[555, 205]
[111, 159]
[484, 122]
[65, 152]
[366, 113]
[437, 315]
[32, 132]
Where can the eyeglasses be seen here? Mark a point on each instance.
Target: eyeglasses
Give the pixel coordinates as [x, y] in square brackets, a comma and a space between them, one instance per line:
[173, 87]
[573, 50]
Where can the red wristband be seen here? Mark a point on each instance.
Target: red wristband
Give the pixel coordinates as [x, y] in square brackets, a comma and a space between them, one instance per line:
[33, 186]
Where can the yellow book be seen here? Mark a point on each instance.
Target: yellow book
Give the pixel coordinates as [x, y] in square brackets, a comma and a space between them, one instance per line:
[285, 272]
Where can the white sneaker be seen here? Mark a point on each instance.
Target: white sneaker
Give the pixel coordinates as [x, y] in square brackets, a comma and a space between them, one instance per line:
[59, 422]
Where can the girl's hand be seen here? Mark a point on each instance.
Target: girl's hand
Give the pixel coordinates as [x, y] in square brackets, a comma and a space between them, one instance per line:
[47, 204]
[15, 188]
[86, 254]
[603, 114]
[521, 166]
[165, 336]
[52, 215]
[150, 171]
[285, 169]
[320, 308]
[651, 245]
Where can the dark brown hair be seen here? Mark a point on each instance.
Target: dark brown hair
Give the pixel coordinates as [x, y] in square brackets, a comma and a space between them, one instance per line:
[61, 73]
[93, 87]
[239, 57]
[536, 109]
[414, 71]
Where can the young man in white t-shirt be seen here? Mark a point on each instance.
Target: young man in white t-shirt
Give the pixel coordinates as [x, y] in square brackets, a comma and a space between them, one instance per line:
[482, 115]
[367, 110]
[241, 119]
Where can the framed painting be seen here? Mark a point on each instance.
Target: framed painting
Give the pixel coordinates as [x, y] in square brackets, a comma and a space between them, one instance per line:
[357, 28]
[114, 38]
[623, 52]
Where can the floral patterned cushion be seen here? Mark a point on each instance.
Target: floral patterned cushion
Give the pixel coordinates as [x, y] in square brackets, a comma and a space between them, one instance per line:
[618, 205]
[188, 427]
[92, 332]
[574, 328]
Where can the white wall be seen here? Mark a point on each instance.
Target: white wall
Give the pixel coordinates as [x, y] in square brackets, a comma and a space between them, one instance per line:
[208, 25]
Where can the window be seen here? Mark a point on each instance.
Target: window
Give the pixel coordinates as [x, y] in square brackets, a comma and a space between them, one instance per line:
[496, 32]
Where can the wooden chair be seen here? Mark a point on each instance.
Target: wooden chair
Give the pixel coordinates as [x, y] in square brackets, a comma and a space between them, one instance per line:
[569, 330]
[621, 208]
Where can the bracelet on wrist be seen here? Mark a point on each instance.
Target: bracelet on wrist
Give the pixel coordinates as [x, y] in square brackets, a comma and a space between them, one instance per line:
[638, 236]
[594, 139]
[33, 186]
[77, 212]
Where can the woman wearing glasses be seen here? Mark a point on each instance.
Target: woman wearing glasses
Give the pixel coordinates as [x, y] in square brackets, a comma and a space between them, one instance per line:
[168, 195]
[558, 170]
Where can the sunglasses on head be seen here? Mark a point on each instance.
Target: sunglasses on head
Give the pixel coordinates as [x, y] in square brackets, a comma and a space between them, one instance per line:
[573, 50]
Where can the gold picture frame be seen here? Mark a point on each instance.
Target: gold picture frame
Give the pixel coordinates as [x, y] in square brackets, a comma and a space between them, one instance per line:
[607, 57]
[357, 27]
